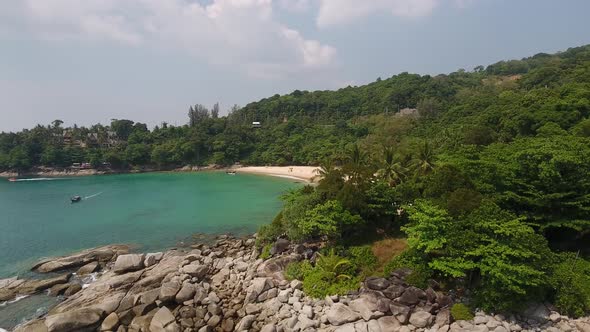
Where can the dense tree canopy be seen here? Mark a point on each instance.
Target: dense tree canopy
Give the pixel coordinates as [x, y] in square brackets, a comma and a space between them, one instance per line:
[486, 172]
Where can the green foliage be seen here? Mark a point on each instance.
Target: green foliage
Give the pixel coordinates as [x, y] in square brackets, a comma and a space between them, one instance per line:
[570, 279]
[420, 270]
[297, 270]
[460, 311]
[331, 275]
[265, 252]
[506, 255]
[269, 233]
[363, 258]
[305, 216]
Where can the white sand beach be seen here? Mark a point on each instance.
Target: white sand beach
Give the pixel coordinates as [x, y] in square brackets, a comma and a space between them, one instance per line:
[306, 173]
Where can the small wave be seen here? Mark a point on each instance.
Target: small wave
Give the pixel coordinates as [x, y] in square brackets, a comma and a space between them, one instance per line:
[93, 195]
[86, 281]
[18, 298]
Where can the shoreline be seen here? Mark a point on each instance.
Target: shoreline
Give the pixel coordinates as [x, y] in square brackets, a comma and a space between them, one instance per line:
[307, 174]
[225, 286]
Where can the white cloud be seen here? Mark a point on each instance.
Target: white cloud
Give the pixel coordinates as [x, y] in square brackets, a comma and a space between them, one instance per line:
[241, 33]
[336, 12]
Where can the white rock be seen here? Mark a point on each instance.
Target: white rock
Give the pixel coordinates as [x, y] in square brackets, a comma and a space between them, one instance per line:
[340, 314]
[129, 262]
[421, 319]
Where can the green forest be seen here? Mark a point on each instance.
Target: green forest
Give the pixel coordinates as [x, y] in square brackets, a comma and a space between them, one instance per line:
[484, 173]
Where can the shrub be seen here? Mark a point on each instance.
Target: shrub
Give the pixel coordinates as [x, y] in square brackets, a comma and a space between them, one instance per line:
[297, 270]
[318, 283]
[460, 311]
[570, 280]
[363, 258]
[265, 253]
[407, 259]
[328, 219]
[331, 275]
[269, 233]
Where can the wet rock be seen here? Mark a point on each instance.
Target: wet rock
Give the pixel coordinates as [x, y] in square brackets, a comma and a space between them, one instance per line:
[129, 262]
[88, 268]
[73, 289]
[100, 254]
[33, 286]
[58, 289]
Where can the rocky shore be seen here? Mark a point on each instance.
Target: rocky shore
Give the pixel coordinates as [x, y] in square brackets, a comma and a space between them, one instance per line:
[226, 287]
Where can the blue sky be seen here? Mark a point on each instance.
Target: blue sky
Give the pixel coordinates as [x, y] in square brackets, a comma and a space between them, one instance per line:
[87, 61]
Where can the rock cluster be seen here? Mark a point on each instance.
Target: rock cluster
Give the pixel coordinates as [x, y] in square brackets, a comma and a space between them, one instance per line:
[225, 287]
[89, 261]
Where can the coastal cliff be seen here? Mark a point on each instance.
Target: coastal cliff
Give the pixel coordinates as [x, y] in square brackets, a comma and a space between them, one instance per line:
[226, 287]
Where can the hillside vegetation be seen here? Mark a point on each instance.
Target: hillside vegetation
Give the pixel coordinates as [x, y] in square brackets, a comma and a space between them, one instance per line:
[489, 179]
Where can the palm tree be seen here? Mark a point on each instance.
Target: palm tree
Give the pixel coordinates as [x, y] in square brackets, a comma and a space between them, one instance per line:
[425, 160]
[356, 166]
[326, 169]
[392, 168]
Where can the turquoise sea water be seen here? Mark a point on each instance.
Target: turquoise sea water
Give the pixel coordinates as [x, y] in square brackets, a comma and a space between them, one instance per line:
[154, 211]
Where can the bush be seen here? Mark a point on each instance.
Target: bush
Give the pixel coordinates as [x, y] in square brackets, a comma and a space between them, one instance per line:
[331, 275]
[269, 233]
[328, 220]
[420, 271]
[460, 311]
[318, 283]
[363, 258]
[570, 280]
[265, 253]
[297, 270]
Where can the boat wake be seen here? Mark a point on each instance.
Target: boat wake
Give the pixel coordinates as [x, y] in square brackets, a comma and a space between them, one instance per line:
[39, 179]
[93, 195]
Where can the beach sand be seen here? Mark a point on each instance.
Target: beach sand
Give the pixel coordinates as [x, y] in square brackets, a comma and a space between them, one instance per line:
[306, 173]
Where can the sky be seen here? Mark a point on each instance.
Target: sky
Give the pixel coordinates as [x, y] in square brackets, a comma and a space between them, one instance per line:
[90, 61]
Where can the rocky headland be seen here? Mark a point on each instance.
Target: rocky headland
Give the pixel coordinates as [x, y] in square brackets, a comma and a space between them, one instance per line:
[226, 287]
